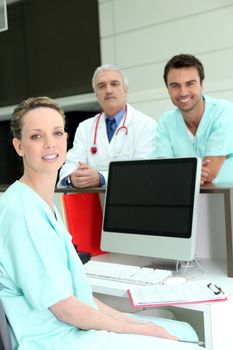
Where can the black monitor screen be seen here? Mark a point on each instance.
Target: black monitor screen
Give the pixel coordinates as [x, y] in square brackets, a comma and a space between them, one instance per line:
[151, 197]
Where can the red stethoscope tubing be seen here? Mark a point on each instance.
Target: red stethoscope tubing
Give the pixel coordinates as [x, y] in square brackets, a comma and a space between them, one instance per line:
[93, 149]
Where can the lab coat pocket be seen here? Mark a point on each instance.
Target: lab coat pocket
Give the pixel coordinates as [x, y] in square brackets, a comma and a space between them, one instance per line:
[124, 154]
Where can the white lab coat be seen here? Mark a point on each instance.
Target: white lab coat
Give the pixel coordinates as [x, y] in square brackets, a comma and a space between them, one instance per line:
[139, 143]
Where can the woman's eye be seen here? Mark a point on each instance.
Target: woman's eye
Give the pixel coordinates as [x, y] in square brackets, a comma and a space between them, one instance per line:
[36, 137]
[59, 133]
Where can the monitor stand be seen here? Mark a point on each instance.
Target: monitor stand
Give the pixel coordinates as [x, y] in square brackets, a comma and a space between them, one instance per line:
[187, 267]
[163, 264]
[178, 266]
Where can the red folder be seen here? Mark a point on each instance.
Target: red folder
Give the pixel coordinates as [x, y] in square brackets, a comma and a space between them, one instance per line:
[84, 220]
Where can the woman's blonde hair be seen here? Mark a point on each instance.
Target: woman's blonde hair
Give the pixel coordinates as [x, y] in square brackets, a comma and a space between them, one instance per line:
[28, 105]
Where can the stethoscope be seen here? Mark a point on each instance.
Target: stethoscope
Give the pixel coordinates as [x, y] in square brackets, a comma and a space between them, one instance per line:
[124, 128]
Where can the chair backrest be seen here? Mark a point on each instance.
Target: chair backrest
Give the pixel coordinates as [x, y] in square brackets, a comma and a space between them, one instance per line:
[83, 214]
[5, 343]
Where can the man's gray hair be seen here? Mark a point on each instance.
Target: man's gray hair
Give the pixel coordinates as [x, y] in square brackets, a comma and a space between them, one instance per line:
[106, 67]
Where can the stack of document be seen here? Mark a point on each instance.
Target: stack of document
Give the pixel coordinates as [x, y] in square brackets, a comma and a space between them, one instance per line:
[187, 293]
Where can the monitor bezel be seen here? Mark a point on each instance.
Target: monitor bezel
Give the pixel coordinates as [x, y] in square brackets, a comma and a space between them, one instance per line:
[161, 247]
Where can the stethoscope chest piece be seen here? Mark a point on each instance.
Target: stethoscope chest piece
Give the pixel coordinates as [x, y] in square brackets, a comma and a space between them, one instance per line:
[93, 150]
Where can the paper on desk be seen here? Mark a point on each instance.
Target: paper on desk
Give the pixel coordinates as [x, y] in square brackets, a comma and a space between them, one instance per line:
[160, 295]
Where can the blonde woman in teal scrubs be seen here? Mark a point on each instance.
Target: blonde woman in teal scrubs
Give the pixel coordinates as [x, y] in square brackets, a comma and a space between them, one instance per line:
[43, 287]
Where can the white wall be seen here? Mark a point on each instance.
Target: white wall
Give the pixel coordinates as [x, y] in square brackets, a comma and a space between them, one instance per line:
[140, 36]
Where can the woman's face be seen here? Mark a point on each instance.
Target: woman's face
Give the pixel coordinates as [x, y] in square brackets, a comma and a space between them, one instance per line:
[43, 140]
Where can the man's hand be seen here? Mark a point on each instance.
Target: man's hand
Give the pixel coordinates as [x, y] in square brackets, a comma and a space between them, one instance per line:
[205, 171]
[85, 176]
[211, 166]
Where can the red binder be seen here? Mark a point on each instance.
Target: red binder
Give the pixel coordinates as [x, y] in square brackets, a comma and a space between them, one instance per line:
[84, 220]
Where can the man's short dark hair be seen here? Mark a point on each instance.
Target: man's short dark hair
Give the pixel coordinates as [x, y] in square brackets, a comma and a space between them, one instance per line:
[184, 61]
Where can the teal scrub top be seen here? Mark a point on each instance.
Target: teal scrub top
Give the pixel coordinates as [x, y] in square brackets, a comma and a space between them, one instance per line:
[39, 267]
[213, 136]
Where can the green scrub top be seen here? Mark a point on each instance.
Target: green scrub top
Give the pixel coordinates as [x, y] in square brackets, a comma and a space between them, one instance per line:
[213, 136]
[38, 267]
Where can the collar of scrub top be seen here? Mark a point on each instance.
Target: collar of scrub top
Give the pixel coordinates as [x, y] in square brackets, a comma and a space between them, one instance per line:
[118, 118]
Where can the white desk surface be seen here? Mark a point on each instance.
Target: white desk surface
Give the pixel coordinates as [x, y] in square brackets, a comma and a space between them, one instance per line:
[214, 271]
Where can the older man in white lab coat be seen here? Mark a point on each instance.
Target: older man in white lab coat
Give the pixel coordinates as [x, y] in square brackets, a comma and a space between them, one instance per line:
[119, 132]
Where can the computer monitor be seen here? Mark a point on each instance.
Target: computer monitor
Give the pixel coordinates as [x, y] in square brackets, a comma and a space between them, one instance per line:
[151, 208]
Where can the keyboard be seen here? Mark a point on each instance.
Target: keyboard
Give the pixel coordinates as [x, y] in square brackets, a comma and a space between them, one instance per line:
[126, 273]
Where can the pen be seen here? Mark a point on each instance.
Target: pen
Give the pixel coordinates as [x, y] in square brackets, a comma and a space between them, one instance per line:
[201, 343]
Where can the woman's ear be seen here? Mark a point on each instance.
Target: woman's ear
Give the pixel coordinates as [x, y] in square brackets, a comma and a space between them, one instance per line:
[18, 147]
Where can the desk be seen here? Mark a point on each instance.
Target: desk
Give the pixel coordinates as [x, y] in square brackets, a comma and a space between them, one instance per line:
[80, 190]
[213, 321]
[226, 191]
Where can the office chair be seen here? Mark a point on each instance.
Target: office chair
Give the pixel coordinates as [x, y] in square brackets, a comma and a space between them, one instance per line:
[5, 343]
[83, 215]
